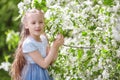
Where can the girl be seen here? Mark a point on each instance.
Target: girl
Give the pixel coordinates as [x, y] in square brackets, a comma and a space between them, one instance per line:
[33, 55]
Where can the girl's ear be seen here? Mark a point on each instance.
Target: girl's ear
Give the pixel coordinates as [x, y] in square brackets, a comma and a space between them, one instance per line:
[26, 26]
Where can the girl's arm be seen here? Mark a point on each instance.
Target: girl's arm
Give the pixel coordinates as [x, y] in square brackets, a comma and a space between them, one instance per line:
[55, 56]
[48, 49]
[45, 62]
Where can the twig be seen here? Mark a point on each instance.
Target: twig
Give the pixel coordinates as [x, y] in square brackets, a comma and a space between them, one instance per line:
[78, 46]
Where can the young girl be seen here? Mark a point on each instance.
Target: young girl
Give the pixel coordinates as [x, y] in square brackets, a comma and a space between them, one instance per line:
[33, 55]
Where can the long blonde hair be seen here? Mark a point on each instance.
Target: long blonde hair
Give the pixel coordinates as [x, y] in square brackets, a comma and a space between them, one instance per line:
[19, 60]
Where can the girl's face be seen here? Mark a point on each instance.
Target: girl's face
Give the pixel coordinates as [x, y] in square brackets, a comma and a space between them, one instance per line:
[35, 24]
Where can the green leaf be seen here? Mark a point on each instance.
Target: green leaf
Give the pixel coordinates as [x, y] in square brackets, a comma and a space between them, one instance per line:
[92, 41]
[40, 5]
[108, 13]
[6, 57]
[92, 27]
[118, 66]
[89, 52]
[80, 53]
[102, 40]
[104, 51]
[84, 33]
[108, 2]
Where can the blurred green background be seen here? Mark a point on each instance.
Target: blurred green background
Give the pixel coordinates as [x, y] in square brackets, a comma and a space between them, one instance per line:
[8, 22]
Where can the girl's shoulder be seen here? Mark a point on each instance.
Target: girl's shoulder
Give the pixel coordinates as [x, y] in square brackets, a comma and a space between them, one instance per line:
[28, 45]
[44, 39]
[27, 41]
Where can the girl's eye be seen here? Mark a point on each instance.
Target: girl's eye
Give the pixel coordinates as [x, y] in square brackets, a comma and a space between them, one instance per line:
[40, 22]
[33, 22]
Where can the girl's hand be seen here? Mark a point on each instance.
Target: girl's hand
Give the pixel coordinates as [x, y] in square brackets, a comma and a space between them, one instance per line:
[59, 40]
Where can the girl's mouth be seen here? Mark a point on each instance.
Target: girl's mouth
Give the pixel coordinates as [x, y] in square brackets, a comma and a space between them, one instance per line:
[38, 30]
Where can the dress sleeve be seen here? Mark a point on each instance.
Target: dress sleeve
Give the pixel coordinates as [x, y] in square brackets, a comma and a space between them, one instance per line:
[28, 47]
[44, 39]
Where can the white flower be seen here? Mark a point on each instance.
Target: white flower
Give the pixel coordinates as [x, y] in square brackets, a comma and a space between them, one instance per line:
[20, 5]
[48, 14]
[88, 72]
[118, 53]
[95, 68]
[67, 24]
[117, 7]
[57, 21]
[28, 1]
[76, 15]
[116, 34]
[5, 66]
[56, 6]
[100, 2]
[39, 1]
[88, 2]
[94, 60]
[99, 78]
[49, 3]
[101, 17]
[100, 63]
[67, 77]
[105, 74]
[22, 8]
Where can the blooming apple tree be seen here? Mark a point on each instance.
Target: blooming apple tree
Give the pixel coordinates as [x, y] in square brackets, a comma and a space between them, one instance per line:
[92, 37]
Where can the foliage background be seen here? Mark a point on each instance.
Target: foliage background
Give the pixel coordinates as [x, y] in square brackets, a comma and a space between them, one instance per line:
[8, 14]
[92, 34]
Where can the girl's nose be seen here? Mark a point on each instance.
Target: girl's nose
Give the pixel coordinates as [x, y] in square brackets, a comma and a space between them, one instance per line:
[37, 25]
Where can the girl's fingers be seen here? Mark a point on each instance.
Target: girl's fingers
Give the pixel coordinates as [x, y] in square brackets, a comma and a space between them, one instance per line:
[59, 39]
[61, 36]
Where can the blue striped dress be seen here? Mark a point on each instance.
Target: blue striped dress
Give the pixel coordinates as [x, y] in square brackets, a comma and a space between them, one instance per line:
[31, 70]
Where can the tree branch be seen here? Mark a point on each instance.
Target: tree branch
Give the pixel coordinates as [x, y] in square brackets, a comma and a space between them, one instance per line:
[78, 46]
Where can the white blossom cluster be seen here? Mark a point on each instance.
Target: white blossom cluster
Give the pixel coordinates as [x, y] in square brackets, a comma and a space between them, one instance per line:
[5, 66]
[81, 17]
[24, 6]
[88, 24]
[116, 30]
